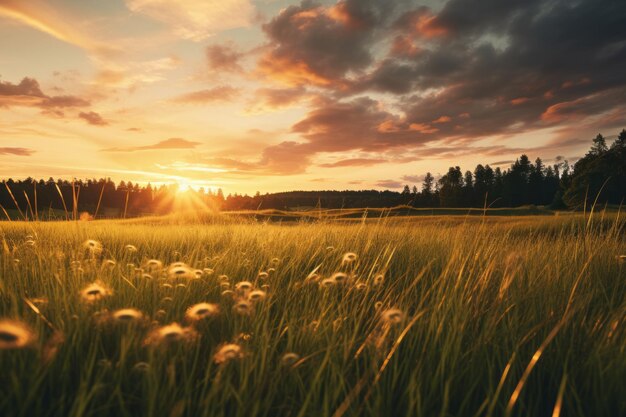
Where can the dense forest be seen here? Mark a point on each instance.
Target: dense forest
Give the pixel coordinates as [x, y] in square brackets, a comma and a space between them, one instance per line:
[598, 177]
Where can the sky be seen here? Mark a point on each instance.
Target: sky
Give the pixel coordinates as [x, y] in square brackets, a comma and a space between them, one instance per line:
[274, 95]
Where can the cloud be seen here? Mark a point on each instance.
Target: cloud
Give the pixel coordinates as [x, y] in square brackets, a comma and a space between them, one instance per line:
[29, 93]
[93, 118]
[172, 143]
[354, 162]
[389, 184]
[220, 93]
[269, 99]
[413, 178]
[41, 16]
[196, 19]
[316, 45]
[16, 151]
[224, 58]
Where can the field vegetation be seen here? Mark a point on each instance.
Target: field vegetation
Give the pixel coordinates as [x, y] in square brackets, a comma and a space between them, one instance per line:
[386, 316]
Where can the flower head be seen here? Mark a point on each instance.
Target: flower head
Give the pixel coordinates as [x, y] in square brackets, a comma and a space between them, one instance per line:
[171, 333]
[257, 295]
[348, 258]
[243, 307]
[93, 246]
[289, 359]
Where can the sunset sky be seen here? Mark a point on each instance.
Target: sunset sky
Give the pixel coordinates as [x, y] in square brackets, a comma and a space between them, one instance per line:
[276, 95]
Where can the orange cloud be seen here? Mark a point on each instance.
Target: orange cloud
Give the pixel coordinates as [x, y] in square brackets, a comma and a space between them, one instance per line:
[220, 93]
[172, 143]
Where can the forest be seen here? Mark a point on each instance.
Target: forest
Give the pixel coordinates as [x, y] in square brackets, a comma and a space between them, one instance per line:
[599, 177]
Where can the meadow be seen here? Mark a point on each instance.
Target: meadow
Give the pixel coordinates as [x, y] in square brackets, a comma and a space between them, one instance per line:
[395, 316]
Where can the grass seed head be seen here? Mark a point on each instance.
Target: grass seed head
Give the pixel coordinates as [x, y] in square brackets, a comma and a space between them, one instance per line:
[130, 248]
[244, 286]
[171, 334]
[15, 335]
[94, 292]
[227, 353]
[289, 359]
[257, 295]
[127, 315]
[348, 258]
[93, 246]
[180, 270]
[201, 311]
[339, 278]
[392, 316]
[243, 308]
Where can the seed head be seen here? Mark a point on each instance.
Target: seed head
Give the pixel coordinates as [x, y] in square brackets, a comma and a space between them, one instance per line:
[257, 295]
[201, 311]
[263, 275]
[130, 248]
[15, 335]
[243, 308]
[95, 292]
[327, 283]
[339, 278]
[127, 315]
[392, 316]
[170, 334]
[289, 359]
[154, 265]
[93, 246]
[180, 270]
[227, 353]
[379, 279]
[348, 258]
[243, 286]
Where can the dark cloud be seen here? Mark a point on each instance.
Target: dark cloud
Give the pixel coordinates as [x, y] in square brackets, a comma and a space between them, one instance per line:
[317, 45]
[468, 71]
[275, 98]
[16, 151]
[220, 93]
[172, 143]
[29, 93]
[224, 58]
[93, 118]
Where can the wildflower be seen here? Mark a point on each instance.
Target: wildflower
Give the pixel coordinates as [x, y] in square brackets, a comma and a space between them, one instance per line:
[179, 270]
[263, 275]
[130, 248]
[166, 300]
[198, 273]
[392, 316]
[30, 242]
[243, 286]
[15, 335]
[93, 246]
[265, 287]
[379, 279]
[127, 315]
[270, 270]
[289, 359]
[312, 278]
[330, 248]
[169, 334]
[166, 286]
[160, 314]
[348, 258]
[147, 276]
[243, 308]
[257, 295]
[228, 352]
[275, 261]
[201, 311]
[94, 292]
[223, 278]
[360, 286]
[339, 278]
[208, 271]
[378, 305]
[621, 258]
[224, 285]
[228, 293]
[180, 286]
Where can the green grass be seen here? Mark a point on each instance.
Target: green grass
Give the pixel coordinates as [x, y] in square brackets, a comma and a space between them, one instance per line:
[481, 297]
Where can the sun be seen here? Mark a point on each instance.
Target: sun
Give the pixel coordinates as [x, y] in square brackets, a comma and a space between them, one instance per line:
[183, 187]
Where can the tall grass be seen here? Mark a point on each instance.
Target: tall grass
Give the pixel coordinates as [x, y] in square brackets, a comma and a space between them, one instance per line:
[519, 316]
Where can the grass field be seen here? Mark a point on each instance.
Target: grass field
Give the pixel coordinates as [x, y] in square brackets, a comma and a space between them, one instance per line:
[432, 316]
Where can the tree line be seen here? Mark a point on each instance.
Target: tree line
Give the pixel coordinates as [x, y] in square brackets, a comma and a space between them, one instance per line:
[599, 177]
